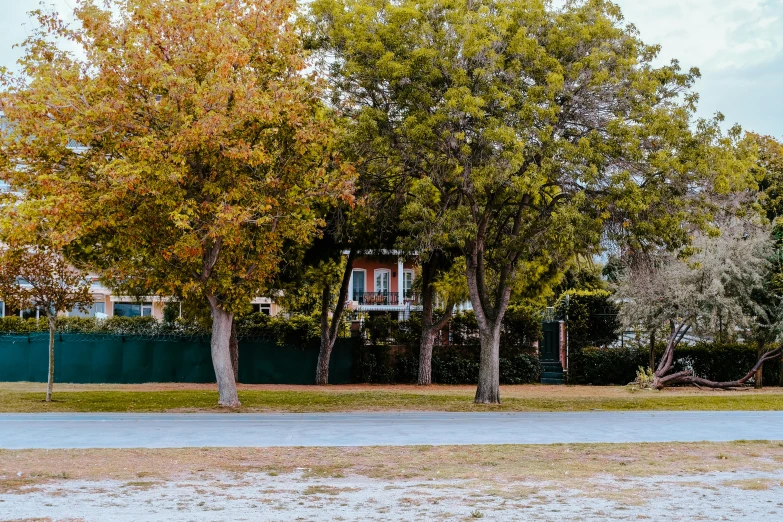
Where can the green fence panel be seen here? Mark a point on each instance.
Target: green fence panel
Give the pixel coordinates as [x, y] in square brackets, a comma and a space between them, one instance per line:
[265, 362]
[130, 360]
[136, 363]
[196, 362]
[17, 353]
[107, 358]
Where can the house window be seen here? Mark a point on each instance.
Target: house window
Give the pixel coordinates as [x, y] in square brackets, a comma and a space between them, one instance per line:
[31, 313]
[382, 281]
[262, 308]
[407, 283]
[96, 308]
[2, 309]
[133, 309]
[358, 285]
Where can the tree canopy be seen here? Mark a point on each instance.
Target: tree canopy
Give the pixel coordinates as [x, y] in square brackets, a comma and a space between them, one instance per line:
[203, 147]
[533, 134]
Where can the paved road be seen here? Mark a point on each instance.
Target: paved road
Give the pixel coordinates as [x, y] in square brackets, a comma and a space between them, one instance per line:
[123, 430]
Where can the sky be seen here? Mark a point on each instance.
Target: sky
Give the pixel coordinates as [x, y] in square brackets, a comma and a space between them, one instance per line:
[736, 44]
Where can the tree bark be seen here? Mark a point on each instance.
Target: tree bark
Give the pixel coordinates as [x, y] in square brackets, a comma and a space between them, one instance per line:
[222, 322]
[429, 326]
[758, 384]
[489, 313]
[329, 329]
[234, 350]
[50, 378]
[652, 349]
[488, 390]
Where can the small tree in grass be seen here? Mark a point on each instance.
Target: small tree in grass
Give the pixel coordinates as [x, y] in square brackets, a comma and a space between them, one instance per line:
[708, 289]
[40, 278]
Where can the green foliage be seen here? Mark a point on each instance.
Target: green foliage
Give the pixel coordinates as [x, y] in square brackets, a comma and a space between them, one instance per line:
[593, 317]
[723, 362]
[378, 327]
[203, 156]
[527, 133]
[581, 276]
[620, 365]
[450, 365]
[644, 378]
[521, 327]
[112, 325]
[603, 366]
[298, 330]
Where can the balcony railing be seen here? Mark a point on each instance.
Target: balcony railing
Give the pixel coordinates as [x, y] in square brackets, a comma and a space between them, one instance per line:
[385, 298]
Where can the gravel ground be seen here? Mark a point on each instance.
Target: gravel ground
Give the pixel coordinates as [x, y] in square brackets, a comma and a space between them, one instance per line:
[301, 496]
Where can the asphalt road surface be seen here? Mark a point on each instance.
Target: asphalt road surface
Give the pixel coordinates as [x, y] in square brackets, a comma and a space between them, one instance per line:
[128, 430]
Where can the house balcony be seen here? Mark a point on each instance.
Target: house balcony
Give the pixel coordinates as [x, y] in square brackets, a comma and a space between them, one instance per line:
[385, 300]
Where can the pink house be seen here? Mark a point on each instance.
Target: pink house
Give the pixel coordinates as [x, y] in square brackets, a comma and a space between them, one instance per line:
[383, 283]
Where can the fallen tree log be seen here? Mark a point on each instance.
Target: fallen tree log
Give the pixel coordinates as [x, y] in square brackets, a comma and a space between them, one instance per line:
[662, 378]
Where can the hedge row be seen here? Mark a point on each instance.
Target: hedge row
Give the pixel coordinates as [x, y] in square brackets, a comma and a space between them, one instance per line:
[387, 364]
[521, 328]
[296, 330]
[718, 362]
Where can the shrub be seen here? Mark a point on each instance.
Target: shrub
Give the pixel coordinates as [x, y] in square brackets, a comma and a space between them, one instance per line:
[383, 364]
[619, 365]
[603, 366]
[723, 362]
[592, 318]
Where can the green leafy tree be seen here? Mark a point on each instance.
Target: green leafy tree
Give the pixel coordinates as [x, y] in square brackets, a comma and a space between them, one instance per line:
[204, 147]
[769, 172]
[533, 133]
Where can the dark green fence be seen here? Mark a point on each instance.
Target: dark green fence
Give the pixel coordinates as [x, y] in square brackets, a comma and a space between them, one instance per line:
[83, 358]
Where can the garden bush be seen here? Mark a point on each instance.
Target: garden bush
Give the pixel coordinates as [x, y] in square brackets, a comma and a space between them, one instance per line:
[618, 365]
[386, 364]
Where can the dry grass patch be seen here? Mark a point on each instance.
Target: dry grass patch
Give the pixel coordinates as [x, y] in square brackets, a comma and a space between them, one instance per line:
[507, 463]
[751, 484]
[326, 490]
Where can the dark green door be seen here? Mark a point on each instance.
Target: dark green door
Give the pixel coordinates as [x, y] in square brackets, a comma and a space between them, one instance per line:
[550, 347]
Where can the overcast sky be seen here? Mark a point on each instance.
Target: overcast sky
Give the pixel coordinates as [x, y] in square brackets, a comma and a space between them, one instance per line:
[737, 45]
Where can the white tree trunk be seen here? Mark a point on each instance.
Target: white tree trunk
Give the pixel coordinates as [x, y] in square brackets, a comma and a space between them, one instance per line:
[221, 355]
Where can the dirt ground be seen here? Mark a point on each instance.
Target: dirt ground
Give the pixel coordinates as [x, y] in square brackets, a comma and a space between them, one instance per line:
[296, 497]
[725, 481]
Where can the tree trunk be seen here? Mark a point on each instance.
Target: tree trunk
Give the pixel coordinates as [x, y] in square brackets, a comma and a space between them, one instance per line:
[425, 357]
[329, 329]
[488, 390]
[50, 379]
[222, 322]
[429, 327]
[757, 378]
[489, 313]
[234, 349]
[652, 349]
[327, 342]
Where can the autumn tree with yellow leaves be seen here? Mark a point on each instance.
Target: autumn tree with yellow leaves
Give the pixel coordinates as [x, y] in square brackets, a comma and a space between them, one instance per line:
[177, 146]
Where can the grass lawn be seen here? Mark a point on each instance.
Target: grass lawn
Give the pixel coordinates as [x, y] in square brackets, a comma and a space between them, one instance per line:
[28, 397]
